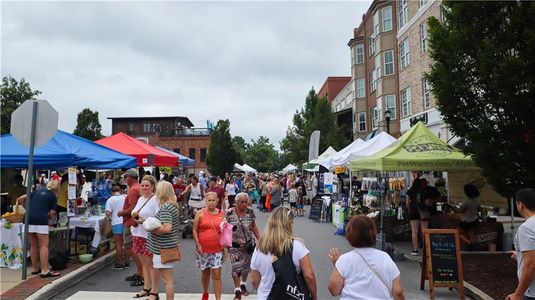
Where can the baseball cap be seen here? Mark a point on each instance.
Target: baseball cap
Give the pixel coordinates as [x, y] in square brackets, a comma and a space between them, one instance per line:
[132, 173]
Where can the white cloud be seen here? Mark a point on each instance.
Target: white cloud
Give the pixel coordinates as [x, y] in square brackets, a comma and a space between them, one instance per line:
[252, 63]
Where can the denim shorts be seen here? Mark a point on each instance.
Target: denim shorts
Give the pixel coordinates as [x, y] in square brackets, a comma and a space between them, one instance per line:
[118, 229]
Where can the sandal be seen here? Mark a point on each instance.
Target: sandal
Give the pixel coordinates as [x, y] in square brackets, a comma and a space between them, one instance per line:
[154, 294]
[36, 272]
[139, 282]
[50, 274]
[142, 294]
[133, 278]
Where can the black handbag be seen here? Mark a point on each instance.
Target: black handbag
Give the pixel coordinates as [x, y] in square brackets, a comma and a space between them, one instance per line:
[289, 281]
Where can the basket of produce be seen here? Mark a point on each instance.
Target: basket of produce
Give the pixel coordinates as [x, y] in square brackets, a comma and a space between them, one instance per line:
[17, 216]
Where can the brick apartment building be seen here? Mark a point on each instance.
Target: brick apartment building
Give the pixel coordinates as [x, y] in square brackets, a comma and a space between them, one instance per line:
[332, 86]
[389, 57]
[174, 133]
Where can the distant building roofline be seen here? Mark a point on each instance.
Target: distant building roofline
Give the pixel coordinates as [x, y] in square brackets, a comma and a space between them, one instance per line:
[185, 119]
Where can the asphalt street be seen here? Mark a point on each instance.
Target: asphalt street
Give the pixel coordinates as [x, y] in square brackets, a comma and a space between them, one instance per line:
[318, 237]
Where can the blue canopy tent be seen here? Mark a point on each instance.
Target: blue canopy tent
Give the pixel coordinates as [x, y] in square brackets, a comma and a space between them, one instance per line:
[184, 160]
[62, 151]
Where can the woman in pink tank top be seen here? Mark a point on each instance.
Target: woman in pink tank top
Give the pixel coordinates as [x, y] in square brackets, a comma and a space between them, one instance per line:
[209, 253]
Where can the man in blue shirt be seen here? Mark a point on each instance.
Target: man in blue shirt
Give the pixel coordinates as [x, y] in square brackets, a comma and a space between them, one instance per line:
[238, 182]
[202, 180]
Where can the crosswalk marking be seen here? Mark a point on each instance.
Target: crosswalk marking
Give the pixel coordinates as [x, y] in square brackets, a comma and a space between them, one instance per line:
[86, 295]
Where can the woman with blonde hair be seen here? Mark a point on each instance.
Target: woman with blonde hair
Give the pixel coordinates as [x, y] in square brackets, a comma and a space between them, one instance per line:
[277, 243]
[164, 237]
[147, 206]
[209, 253]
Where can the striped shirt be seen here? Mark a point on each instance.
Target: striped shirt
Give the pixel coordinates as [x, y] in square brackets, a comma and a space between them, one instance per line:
[168, 213]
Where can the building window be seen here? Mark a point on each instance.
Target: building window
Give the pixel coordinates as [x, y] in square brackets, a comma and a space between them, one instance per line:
[426, 93]
[203, 154]
[422, 2]
[371, 44]
[192, 153]
[423, 37]
[406, 102]
[387, 18]
[362, 121]
[361, 87]
[391, 105]
[378, 67]
[146, 127]
[375, 116]
[404, 54]
[376, 23]
[403, 12]
[389, 62]
[176, 150]
[130, 126]
[360, 53]
[373, 82]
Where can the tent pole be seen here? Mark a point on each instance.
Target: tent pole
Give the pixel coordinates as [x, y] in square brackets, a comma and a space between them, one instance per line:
[350, 198]
[513, 220]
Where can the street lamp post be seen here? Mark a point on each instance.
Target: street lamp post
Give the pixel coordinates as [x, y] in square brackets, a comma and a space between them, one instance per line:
[388, 115]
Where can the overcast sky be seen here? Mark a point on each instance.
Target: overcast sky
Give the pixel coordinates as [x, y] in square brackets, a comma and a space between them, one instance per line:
[252, 63]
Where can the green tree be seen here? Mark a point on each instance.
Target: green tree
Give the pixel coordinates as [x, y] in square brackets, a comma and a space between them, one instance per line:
[221, 154]
[483, 78]
[240, 146]
[262, 156]
[316, 115]
[13, 94]
[88, 125]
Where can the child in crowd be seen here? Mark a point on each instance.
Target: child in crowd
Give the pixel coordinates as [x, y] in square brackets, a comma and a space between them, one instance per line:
[300, 202]
[293, 195]
[113, 205]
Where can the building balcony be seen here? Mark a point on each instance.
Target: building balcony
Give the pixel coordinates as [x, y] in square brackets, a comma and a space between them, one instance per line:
[186, 132]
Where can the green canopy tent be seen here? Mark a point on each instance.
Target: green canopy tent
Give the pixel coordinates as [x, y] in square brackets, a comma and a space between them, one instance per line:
[416, 150]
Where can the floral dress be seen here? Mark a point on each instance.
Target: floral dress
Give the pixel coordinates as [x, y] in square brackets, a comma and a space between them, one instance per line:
[242, 236]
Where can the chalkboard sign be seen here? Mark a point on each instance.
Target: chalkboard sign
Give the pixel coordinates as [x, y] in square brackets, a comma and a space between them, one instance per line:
[315, 209]
[441, 263]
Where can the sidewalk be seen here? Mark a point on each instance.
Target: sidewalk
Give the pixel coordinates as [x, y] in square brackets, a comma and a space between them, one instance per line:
[13, 287]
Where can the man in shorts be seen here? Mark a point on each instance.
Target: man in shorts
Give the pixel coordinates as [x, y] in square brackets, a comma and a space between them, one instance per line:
[131, 178]
[113, 205]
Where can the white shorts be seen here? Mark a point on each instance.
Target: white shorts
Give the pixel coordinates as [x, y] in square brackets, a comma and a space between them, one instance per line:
[197, 203]
[41, 229]
[157, 263]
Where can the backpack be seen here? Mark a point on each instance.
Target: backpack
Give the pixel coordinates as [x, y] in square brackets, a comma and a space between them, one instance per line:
[289, 281]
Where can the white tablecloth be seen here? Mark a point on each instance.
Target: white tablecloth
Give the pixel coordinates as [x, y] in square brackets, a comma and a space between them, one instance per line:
[11, 244]
[94, 222]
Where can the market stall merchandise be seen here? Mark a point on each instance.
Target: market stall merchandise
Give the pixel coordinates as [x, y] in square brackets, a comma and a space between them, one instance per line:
[145, 154]
[11, 244]
[62, 151]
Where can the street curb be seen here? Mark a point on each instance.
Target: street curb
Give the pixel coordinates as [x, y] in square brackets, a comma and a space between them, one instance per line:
[57, 286]
[469, 289]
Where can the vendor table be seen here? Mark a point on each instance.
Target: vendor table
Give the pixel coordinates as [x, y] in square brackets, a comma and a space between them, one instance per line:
[94, 222]
[11, 244]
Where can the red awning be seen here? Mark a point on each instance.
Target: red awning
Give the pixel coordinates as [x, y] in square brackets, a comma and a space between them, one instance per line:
[145, 154]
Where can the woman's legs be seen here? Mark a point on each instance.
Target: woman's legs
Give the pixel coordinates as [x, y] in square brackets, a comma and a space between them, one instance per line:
[169, 282]
[414, 230]
[119, 253]
[146, 262]
[34, 250]
[43, 252]
[155, 277]
[205, 280]
[216, 279]
[236, 282]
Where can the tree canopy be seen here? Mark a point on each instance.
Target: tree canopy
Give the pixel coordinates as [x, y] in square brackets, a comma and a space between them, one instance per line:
[316, 115]
[221, 154]
[483, 78]
[88, 126]
[13, 94]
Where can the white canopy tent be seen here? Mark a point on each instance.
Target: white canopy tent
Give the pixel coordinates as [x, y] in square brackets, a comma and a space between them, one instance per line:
[328, 162]
[376, 144]
[247, 168]
[289, 168]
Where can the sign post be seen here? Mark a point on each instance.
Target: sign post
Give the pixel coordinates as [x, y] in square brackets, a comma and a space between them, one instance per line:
[441, 262]
[43, 125]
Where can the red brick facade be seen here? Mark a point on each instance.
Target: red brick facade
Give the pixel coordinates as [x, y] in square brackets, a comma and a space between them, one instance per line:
[332, 86]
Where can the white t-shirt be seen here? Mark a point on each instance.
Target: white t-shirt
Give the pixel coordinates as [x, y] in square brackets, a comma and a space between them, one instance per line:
[360, 282]
[292, 195]
[149, 210]
[114, 204]
[231, 189]
[262, 263]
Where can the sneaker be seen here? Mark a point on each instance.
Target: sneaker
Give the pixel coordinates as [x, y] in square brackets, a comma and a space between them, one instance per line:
[117, 267]
[237, 295]
[244, 290]
[204, 296]
[414, 252]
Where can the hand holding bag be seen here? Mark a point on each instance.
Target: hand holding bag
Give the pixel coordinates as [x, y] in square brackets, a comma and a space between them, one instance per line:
[226, 235]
